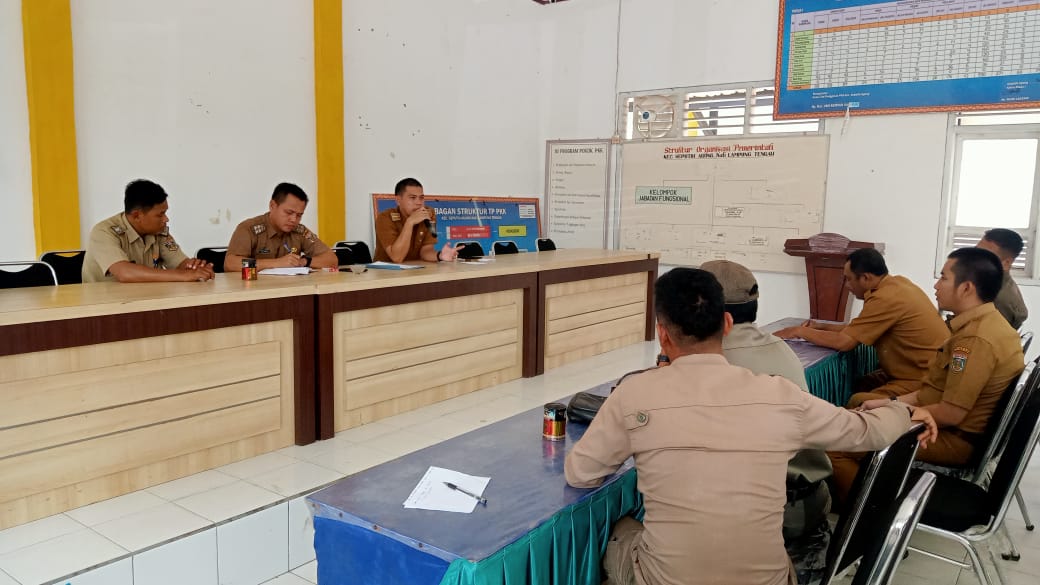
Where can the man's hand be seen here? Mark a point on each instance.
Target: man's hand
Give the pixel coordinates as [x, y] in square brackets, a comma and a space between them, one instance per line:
[418, 216]
[291, 261]
[872, 404]
[200, 269]
[789, 333]
[448, 253]
[931, 430]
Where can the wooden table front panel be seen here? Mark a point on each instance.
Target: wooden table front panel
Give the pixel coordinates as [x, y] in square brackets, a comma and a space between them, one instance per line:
[86, 423]
[393, 359]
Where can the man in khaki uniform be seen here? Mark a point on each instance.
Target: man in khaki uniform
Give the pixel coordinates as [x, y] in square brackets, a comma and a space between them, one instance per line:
[806, 530]
[1007, 245]
[711, 443]
[277, 239]
[897, 319]
[136, 245]
[968, 374]
[408, 232]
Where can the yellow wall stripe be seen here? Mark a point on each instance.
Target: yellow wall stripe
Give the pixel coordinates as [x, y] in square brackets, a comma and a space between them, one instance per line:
[47, 34]
[328, 111]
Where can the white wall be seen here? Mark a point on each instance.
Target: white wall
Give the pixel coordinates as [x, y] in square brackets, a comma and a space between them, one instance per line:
[214, 100]
[17, 236]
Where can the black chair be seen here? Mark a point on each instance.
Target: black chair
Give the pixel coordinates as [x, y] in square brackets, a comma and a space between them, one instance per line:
[470, 250]
[67, 265]
[214, 255]
[545, 244]
[349, 253]
[967, 513]
[1026, 337]
[878, 483]
[879, 563]
[505, 247]
[32, 273]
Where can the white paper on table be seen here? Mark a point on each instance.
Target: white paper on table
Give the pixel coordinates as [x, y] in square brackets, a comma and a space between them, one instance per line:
[431, 493]
[294, 271]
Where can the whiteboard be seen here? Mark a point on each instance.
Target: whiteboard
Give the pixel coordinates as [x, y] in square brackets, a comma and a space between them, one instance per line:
[577, 186]
[723, 199]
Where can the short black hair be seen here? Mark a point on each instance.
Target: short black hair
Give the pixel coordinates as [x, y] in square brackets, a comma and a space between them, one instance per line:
[283, 190]
[979, 267]
[1007, 240]
[689, 304]
[743, 312]
[142, 194]
[867, 260]
[404, 183]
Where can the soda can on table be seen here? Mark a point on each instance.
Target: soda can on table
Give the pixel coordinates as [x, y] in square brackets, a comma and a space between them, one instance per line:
[554, 425]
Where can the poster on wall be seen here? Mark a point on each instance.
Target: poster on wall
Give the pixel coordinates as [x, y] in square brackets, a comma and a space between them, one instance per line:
[485, 220]
[870, 57]
[723, 199]
[577, 185]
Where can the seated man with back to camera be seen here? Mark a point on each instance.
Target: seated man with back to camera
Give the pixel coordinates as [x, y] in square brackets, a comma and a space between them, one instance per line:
[278, 239]
[136, 245]
[897, 318]
[711, 443]
[408, 232]
[806, 530]
[968, 374]
[1007, 245]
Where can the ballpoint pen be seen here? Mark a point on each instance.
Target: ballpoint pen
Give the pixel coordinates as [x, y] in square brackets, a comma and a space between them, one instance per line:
[470, 494]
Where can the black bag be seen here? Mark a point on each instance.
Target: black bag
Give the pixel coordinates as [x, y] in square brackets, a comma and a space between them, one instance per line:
[584, 406]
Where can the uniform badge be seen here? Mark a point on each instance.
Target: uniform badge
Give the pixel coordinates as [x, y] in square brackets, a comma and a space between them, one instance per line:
[259, 228]
[394, 216]
[118, 230]
[959, 359]
[263, 251]
[171, 245]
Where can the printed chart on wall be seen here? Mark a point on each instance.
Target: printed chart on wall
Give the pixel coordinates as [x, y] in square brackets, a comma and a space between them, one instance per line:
[485, 220]
[577, 184]
[871, 57]
[733, 199]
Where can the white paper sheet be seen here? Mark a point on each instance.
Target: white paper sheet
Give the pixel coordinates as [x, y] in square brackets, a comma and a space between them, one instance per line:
[295, 271]
[431, 493]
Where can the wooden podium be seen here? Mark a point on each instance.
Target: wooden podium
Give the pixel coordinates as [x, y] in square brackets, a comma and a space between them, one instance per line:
[824, 267]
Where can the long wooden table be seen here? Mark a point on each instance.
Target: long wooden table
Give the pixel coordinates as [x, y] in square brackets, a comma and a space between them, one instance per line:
[108, 388]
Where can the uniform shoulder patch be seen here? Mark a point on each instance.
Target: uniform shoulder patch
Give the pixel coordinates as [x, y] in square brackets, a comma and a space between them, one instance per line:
[394, 216]
[259, 228]
[959, 359]
[300, 229]
[118, 230]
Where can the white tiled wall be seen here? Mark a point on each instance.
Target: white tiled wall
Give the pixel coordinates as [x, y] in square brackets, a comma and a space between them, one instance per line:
[254, 549]
[186, 560]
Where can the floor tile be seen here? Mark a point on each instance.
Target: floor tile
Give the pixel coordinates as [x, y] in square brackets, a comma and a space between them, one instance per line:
[191, 560]
[288, 579]
[253, 549]
[257, 465]
[301, 533]
[6, 579]
[348, 458]
[118, 573]
[60, 556]
[308, 572]
[114, 508]
[295, 479]
[191, 485]
[37, 531]
[229, 501]
[402, 442]
[364, 433]
[144, 529]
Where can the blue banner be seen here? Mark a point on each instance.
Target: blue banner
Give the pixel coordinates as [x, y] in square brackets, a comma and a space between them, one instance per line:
[883, 57]
[485, 220]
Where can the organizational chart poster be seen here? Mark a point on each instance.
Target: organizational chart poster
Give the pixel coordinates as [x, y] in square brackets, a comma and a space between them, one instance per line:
[577, 183]
[734, 199]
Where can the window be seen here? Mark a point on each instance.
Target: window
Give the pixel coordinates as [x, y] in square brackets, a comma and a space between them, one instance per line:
[992, 181]
[733, 110]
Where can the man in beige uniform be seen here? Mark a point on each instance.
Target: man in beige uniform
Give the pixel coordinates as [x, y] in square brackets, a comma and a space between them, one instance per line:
[968, 374]
[898, 319]
[136, 245]
[1007, 245]
[277, 239]
[711, 443]
[806, 530]
[408, 232]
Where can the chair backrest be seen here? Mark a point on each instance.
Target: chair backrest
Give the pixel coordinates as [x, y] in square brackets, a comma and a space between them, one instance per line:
[1026, 337]
[1021, 441]
[545, 244]
[352, 253]
[880, 561]
[214, 255]
[31, 273]
[505, 247]
[999, 422]
[67, 265]
[471, 250]
[880, 480]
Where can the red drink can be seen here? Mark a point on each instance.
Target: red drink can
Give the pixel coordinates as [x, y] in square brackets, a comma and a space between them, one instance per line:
[554, 424]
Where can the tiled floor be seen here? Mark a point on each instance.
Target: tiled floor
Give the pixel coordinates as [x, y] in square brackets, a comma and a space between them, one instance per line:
[246, 523]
